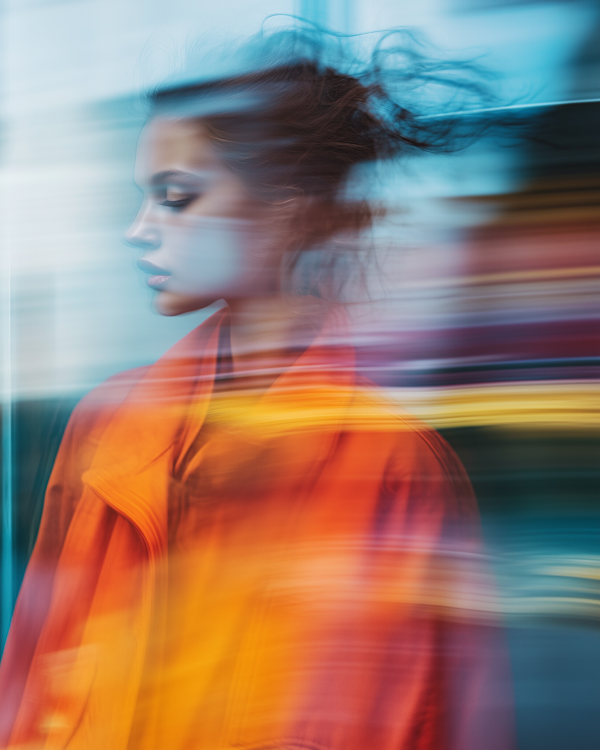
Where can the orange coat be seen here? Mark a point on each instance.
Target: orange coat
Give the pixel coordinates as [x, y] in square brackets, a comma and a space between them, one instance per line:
[220, 571]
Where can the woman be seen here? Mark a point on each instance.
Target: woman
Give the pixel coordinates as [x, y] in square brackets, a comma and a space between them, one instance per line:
[243, 545]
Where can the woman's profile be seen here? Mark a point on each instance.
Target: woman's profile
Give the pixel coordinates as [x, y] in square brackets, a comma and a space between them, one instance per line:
[243, 545]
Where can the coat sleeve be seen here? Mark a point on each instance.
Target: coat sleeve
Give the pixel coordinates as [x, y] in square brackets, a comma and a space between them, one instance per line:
[473, 654]
[463, 696]
[63, 492]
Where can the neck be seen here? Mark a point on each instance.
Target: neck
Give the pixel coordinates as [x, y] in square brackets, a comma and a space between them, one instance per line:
[268, 334]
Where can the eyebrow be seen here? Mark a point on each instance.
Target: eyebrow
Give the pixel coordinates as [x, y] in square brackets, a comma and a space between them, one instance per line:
[169, 175]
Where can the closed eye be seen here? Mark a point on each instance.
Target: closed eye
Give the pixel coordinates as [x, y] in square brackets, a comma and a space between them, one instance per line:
[178, 202]
[175, 189]
[174, 197]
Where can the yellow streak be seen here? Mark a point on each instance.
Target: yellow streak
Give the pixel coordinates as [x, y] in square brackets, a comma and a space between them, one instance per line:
[519, 404]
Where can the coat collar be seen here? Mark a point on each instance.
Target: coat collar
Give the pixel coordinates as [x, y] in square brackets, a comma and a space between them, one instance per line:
[165, 410]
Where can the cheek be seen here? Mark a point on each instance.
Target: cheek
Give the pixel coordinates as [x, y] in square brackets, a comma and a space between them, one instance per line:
[209, 255]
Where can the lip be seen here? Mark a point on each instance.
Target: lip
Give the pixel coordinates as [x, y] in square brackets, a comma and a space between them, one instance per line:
[157, 281]
[157, 278]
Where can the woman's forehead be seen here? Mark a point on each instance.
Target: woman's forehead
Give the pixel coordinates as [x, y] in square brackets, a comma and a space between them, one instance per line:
[167, 144]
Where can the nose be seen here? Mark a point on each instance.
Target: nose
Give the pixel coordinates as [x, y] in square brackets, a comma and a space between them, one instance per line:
[143, 233]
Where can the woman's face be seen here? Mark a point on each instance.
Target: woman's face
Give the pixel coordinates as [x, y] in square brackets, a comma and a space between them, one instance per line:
[204, 237]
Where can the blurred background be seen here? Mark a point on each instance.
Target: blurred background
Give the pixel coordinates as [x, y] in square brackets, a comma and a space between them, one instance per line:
[486, 326]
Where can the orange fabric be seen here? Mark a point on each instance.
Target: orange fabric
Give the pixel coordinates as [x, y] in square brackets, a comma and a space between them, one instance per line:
[215, 571]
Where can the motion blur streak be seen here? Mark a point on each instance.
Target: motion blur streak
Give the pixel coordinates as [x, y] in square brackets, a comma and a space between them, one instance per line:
[481, 326]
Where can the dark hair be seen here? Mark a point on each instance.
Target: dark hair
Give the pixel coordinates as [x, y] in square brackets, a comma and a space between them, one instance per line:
[297, 123]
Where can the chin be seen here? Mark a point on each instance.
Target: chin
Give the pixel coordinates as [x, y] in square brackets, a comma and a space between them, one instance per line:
[171, 304]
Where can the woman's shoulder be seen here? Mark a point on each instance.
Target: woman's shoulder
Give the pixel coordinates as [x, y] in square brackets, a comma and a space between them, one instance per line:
[416, 454]
[95, 409]
[114, 389]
